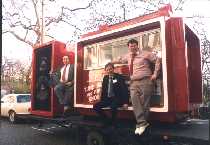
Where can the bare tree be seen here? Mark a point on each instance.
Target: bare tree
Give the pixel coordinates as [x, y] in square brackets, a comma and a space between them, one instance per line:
[24, 19]
[200, 29]
[14, 72]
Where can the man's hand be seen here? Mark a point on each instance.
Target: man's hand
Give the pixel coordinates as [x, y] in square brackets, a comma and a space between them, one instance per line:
[153, 77]
[125, 106]
[69, 83]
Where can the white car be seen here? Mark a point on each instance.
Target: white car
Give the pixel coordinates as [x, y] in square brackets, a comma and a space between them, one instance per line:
[15, 105]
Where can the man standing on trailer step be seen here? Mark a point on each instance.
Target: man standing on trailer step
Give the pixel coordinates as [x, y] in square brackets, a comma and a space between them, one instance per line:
[114, 94]
[64, 89]
[141, 81]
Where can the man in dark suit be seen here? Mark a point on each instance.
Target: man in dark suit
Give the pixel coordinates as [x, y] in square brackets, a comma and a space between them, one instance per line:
[65, 88]
[114, 93]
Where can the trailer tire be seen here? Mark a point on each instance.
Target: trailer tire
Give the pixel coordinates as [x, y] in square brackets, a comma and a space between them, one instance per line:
[95, 138]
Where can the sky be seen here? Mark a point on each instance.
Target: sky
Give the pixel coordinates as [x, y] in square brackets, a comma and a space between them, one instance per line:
[14, 49]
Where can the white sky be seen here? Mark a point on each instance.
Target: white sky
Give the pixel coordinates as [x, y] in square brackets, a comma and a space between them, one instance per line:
[13, 48]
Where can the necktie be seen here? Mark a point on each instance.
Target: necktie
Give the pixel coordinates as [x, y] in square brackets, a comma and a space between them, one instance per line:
[131, 64]
[64, 73]
[110, 87]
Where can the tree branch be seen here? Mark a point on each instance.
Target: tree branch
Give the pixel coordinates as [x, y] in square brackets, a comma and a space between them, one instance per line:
[19, 38]
[76, 9]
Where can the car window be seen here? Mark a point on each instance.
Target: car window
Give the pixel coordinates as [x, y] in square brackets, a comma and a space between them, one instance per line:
[23, 98]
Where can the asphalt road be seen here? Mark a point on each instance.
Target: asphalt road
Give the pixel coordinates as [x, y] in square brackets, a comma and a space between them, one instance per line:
[31, 134]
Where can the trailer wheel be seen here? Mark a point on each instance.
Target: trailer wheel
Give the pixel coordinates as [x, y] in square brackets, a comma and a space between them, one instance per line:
[95, 138]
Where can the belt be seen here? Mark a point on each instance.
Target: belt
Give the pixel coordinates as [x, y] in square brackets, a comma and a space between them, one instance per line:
[143, 78]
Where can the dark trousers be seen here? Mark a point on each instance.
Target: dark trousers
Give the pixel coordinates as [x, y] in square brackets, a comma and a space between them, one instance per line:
[64, 94]
[108, 102]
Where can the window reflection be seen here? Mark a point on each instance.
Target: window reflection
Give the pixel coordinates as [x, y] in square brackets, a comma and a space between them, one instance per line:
[151, 41]
[111, 51]
[90, 59]
[98, 54]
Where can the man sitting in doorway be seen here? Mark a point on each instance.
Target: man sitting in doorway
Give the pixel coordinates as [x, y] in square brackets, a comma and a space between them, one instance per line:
[65, 87]
[114, 94]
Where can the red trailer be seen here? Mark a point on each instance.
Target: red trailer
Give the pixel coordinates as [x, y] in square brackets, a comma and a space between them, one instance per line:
[180, 85]
[177, 89]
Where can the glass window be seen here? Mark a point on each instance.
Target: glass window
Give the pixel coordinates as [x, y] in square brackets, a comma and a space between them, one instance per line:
[90, 56]
[105, 53]
[23, 98]
[111, 51]
[99, 54]
[150, 41]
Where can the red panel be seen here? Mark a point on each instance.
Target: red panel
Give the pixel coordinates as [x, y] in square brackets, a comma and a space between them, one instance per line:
[128, 114]
[79, 79]
[176, 66]
[163, 116]
[194, 67]
[169, 65]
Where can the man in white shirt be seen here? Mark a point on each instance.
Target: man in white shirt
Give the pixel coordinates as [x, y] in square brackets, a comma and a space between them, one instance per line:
[64, 89]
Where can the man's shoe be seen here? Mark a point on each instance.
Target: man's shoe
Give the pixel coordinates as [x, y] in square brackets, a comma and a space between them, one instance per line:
[65, 108]
[66, 111]
[137, 130]
[141, 129]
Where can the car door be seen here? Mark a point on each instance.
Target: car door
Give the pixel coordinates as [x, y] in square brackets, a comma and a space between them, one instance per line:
[22, 104]
[4, 107]
[8, 104]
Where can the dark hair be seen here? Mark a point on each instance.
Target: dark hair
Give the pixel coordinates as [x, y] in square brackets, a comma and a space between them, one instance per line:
[131, 41]
[109, 64]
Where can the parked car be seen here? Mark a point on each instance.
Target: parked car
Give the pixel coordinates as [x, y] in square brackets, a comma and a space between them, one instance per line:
[204, 111]
[15, 106]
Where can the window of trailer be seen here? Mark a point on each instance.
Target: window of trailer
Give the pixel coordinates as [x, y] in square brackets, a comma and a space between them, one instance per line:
[98, 54]
[90, 56]
[150, 41]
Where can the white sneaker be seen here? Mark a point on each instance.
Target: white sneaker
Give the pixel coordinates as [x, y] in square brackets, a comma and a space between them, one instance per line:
[141, 129]
[65, 108]
[137, 130]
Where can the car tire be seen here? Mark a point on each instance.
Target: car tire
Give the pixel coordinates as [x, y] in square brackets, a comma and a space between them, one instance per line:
[12, 117]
